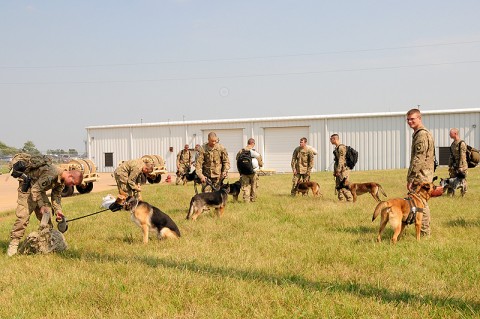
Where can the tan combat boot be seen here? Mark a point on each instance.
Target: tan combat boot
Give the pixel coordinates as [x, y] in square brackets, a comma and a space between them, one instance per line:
[13, 247]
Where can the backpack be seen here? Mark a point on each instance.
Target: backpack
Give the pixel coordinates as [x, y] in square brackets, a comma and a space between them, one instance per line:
[351, 157]
[472, 154]
[23, 163]
[244, 163]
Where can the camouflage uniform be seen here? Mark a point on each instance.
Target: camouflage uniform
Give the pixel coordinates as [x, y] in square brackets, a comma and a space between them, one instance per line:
[302, 164]
[126, 176]
[250, 182]
[422, 167]
[212, 162]
[184, 159]
[43, 179]
[458, 158]
[342, 171]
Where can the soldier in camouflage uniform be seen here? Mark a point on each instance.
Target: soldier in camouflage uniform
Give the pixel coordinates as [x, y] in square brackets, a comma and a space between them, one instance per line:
[127, 175]
[302, 164]
[249, 182]
[340, 169]
[457, 163]
[421, 161]
[212, 161]
[35, 199]
[184, 159]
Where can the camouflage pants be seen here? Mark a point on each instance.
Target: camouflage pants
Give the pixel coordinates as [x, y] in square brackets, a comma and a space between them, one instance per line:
[249, 187]
[183, 169]
[343, 193]
[123, 187]
[425, 230]
[25, 206]
[298, 178]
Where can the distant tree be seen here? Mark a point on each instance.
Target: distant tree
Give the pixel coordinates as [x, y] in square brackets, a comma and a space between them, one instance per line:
[6, 150]
[30, 148]
[72, 152]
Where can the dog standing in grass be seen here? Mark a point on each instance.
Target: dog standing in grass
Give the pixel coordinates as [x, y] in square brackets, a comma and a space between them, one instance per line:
[203, 201]
[304, 187]
[149, 218]
[358, 189]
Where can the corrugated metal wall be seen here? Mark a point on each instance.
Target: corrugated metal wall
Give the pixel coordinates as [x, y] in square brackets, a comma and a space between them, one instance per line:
[382, 140]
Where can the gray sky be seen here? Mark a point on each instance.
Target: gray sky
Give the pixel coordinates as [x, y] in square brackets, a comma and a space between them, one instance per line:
[66, 65]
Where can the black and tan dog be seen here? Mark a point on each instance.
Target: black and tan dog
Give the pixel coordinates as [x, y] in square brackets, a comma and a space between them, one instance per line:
[358, 189]
[304, 187]
[235, 189]
[200, 202]
[403, 211]
[149, 218]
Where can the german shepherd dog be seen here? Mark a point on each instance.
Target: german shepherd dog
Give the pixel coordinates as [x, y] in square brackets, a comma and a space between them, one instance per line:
[400, 212]
[304, 187]
[216, 199]
[358, 189]
[451, 184]
[235, 189]
[150, 218]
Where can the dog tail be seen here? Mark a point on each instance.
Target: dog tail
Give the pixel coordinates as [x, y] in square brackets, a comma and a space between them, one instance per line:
[381, 189]
[380, 207]
[190, 209]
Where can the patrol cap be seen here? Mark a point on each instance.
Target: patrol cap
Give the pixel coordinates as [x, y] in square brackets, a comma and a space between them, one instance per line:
[147, 160]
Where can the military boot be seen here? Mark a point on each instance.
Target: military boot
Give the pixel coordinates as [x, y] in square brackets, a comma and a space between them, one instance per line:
[13, 247]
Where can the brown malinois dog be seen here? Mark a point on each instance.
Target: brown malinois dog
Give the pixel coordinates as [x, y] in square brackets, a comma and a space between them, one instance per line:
[358, 189]
[403, 211]
[304, 187]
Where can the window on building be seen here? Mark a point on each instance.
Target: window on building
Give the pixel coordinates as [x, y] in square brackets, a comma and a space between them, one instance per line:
[443, 155]
[108, 159]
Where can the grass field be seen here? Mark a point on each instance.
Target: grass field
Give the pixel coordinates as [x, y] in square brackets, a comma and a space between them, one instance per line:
[280, 257]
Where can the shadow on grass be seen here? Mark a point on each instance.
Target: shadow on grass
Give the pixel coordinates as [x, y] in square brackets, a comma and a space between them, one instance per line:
[351, 287]
[357, 230]
[462, 222]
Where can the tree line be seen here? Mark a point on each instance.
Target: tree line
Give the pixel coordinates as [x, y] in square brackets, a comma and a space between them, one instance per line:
[30, 148]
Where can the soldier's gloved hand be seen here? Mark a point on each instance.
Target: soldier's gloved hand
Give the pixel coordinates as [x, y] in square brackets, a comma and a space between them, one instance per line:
[59, 216]
[224, 174]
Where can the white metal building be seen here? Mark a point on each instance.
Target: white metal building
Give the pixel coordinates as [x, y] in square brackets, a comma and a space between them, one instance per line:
[381, 139]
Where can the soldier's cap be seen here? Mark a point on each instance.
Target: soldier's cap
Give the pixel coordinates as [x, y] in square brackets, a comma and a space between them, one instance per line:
[147, 160]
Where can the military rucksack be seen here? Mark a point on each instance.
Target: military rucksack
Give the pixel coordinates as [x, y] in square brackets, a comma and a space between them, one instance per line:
[244, 163]
[24, 163]
[351, 157]
[472, 154]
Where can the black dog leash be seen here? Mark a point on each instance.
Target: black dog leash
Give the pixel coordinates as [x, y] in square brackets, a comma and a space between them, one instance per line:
[63, 223]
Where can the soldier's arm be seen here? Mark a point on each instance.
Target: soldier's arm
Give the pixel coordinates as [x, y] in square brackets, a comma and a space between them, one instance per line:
[199, 164]
[342, 152]
[310, 162]
[463, 156]
[133, 177]
[420, 147]
[294, 159]
[178, 158]
[38, 191]
[57, 197]
[451, 158]
[225, 161]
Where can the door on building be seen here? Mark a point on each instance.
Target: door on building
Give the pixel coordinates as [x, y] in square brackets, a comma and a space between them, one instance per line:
[280, 142]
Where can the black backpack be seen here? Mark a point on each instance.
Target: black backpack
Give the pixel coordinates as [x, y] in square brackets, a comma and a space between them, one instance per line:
[351, 157]
[244, 163]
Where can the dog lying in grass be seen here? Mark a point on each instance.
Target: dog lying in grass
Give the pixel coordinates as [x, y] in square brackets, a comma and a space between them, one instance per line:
[149, 218]
[358, 189]
[203, 201]
[304, 187]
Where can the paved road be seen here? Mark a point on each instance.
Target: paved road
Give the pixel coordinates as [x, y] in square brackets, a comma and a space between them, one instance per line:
[8, 189]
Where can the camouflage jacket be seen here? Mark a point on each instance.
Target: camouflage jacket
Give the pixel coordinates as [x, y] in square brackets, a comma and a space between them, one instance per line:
[302, 160]
[212, 162]
[458, 156]
[340, 153]
[44, 179]
[131, 170]
[422, 157]
[184, 157]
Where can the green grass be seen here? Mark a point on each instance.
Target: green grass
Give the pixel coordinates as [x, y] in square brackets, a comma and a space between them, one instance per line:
[280, 257]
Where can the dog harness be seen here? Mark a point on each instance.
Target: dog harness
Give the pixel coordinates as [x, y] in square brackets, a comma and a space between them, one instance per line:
[413, 210]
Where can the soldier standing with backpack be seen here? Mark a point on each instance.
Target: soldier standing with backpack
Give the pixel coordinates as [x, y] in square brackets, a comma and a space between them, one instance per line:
[341, 171]
[457, 163]
[248, 161]
[302, 164]
[32, 188]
